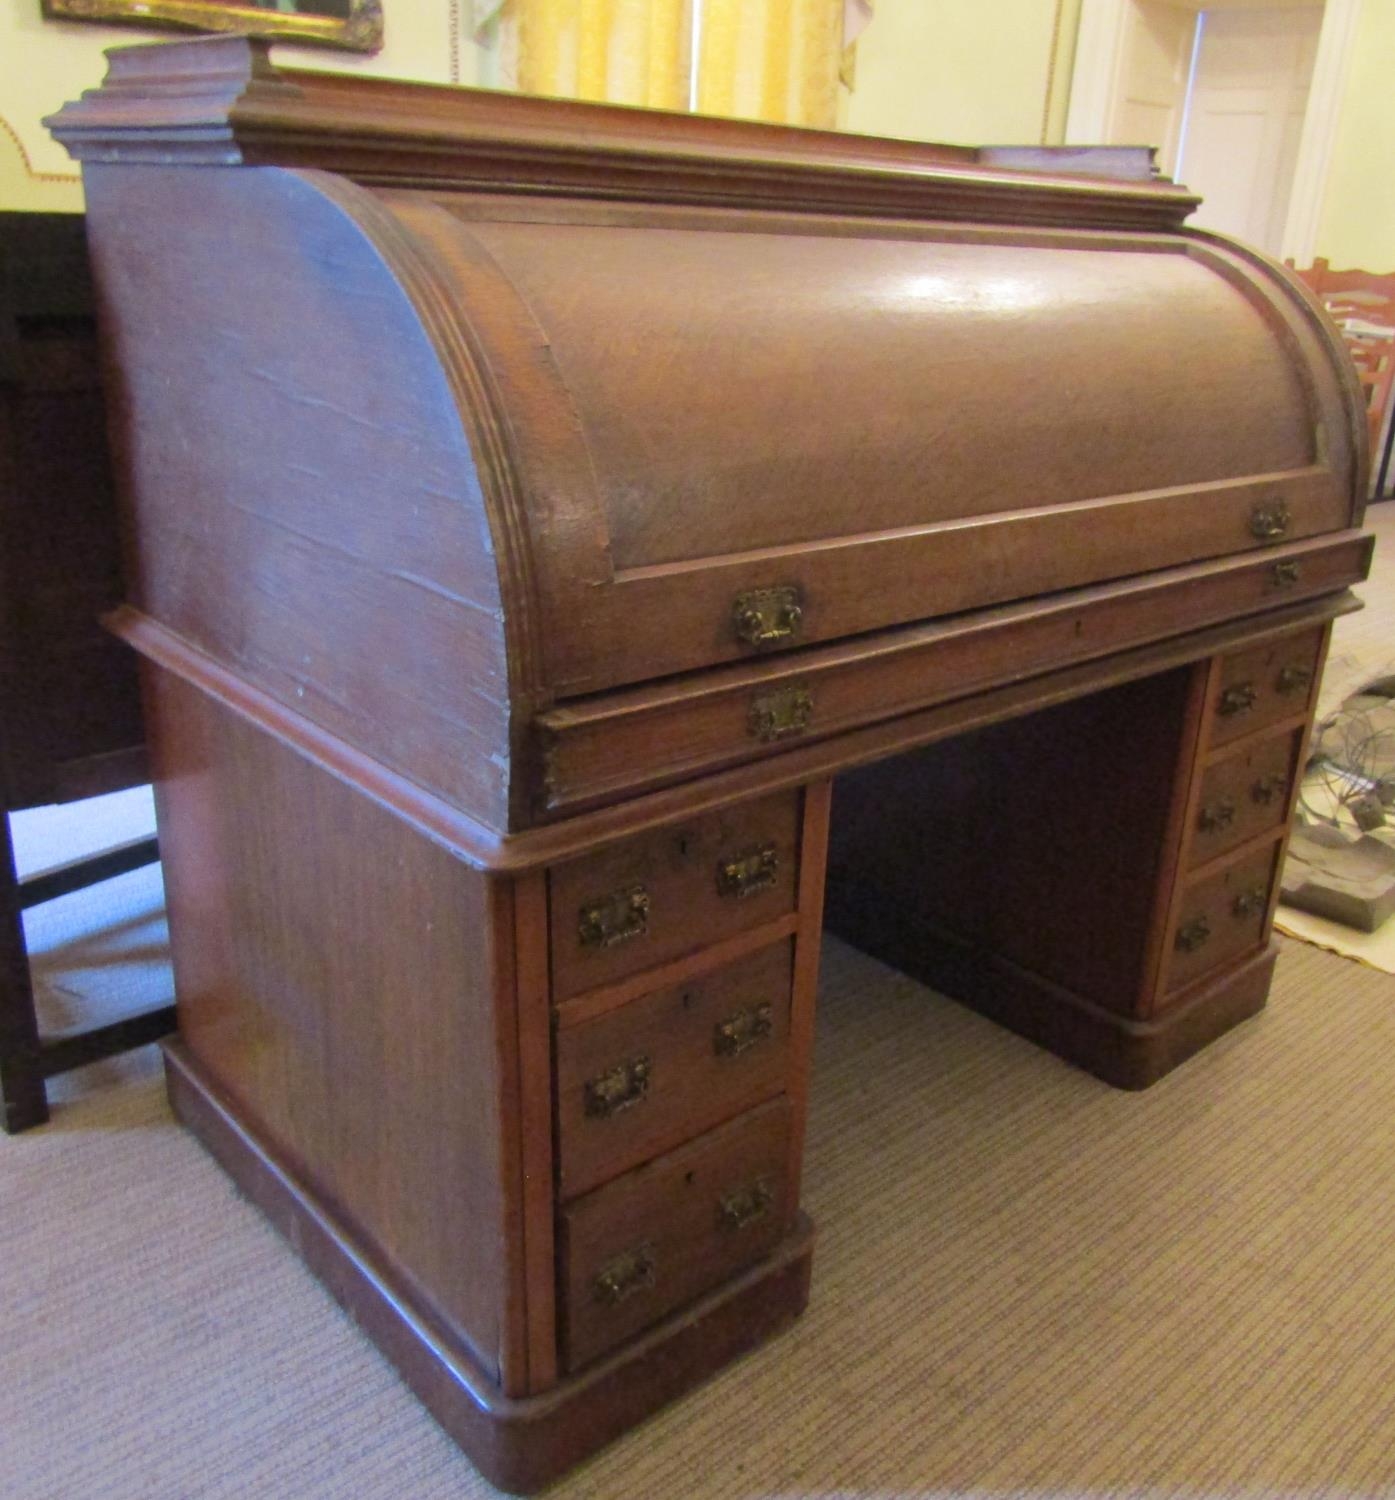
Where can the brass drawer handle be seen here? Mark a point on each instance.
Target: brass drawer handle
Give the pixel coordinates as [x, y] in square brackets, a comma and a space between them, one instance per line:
[1285, 574]
[744, 1030]
[621, 1278]
[1238, 699]
[765, 617]
[1247, 903]
[748, 874]
[618, 1088]
[1266, 788]
[747, 1205]
[1270, 521]
[1217, 815]
[777, 716]
[1292, 679]
[1191, 935]
[617, 918]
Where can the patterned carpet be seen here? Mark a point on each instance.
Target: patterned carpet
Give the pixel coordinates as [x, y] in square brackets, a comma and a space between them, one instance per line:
[1026, 1283]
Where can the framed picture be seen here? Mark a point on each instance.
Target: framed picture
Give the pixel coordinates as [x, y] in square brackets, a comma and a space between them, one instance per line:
[354, 24]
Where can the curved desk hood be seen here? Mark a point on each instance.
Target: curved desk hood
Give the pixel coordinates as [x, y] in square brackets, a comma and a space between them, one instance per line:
[538, 402]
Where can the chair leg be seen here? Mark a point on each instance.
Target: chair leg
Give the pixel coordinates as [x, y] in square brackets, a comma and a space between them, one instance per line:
[22, 1088]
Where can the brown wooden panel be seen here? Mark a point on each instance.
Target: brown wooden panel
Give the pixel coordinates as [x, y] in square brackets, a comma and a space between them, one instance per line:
[1221, 917]
[619, 743]
[298, 482]
[1041, 839]
[70, 721]
[534, 1170]
[1242, 795]
[1264, 684]
[663, 1234]
[641, 1079]
[674, 872]
[345, 982]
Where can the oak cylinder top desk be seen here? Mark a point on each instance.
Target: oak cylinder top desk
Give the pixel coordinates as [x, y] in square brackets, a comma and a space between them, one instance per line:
[530, 509]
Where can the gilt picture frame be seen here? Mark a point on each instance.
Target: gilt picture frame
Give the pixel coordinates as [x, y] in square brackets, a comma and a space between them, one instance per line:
[356, 25]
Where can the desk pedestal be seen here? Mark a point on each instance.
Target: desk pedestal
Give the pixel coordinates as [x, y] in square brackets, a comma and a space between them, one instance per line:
[540, 1129]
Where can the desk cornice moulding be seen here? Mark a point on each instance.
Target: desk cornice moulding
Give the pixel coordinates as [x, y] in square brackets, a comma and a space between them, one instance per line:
[221, 101]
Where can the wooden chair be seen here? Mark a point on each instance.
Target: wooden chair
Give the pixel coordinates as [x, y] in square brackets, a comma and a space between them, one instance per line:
[1359, 302]
[70, 724]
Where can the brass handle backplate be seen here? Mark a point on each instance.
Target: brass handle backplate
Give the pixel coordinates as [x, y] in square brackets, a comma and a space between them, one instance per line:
[749, 873]
[617, 918]
[747, 1205]
[1247, 903]
[1266, 788]
[1293, 679]
[1238, 699]
[1270, 521]
[765, 617]
[1191, 935]
[741, 1032]
[618, 1088]
[1217, 815]
[777, 716]
[631, 1272]
[1285, 574]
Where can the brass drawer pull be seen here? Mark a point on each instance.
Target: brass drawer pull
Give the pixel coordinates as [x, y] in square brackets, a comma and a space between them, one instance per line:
[617, 918]
[1285, 574]
[1217, 815]
[1238, 699]
[627, 1274]
[747, 1205]
[777, 716]
[1266, 788]
[1292, 680]
[748, 874]
[618, 1088]
[744, 1030]
[1247, 903]
[1191, 935]
[1270, 521]
[765, 617]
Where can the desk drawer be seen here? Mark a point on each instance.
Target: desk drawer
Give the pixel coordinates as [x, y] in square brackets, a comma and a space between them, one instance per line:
[1264, 684]
[679, 888]
[1242, 796]
[658, 1237]
[1221, 917]
[649, 1075]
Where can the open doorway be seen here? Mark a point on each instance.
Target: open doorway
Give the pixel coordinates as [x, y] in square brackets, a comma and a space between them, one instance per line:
[1238, 97]
[1243, 117]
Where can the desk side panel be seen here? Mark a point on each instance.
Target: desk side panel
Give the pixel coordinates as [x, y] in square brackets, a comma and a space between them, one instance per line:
[300, 495]
[348, 986]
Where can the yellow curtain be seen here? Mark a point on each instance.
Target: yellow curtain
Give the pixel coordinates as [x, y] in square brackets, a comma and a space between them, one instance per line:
[760, 59]
[619, 51]
[772, 60]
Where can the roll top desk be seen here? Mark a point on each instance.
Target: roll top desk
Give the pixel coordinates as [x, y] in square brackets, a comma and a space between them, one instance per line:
[531, 508]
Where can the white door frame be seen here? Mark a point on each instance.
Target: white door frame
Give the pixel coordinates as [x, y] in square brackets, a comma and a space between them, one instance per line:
[1095, 82]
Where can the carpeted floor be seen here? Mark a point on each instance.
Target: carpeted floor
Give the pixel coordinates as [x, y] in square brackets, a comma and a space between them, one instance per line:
[1025, 1284]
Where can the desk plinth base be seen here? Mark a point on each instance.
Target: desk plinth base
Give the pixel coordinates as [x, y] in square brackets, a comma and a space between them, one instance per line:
[523, 1444]
[1128, 1052]
[1123, 1051]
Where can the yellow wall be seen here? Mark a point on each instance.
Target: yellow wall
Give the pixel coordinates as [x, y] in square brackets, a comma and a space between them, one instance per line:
[44, 63]
[975, 72]
[1357, 225]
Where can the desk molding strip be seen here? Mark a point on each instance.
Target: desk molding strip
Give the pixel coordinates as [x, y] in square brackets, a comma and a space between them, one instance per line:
[613, 746]
[488, 849]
